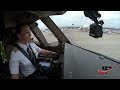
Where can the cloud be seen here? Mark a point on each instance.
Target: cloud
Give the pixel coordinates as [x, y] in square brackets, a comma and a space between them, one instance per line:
[71, 17]
[111, 19]
[108, 15]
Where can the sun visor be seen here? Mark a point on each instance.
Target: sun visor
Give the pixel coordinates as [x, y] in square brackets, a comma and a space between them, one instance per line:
[11, 18]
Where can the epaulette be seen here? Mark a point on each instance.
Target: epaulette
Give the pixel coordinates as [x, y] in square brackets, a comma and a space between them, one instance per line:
[15, 49]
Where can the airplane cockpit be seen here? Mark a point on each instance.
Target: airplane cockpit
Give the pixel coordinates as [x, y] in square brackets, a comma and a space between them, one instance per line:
[10, 19]
[67, 64]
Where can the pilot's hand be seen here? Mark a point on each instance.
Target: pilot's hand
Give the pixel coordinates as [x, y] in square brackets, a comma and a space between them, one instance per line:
[54, 53]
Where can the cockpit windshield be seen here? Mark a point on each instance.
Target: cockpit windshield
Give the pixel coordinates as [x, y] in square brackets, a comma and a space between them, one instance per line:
[75, 27]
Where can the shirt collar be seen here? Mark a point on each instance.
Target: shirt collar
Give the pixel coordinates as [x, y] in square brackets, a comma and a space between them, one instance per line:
[24, 46]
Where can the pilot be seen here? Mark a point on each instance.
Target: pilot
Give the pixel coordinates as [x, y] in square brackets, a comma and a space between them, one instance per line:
[19, 63]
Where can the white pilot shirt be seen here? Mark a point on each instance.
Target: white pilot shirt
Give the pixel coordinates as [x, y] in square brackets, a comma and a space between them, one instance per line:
[20, 62]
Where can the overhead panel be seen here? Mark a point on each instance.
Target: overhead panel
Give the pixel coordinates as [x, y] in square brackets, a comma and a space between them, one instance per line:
[47, 13]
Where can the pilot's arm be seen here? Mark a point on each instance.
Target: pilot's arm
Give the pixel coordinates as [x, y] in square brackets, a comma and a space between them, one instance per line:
[14, 76]
[45, 52]
[14, 66]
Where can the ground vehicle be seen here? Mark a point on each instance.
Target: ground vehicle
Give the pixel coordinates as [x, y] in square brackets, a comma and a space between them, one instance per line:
[77, 69]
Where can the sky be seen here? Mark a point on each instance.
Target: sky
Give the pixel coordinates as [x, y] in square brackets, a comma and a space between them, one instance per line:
[110, 18]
